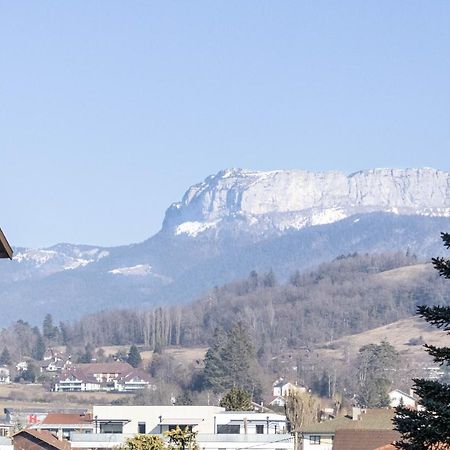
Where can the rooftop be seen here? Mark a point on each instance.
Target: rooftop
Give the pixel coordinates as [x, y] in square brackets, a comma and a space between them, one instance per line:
[5, 249]
[372, 419]
[363, 439]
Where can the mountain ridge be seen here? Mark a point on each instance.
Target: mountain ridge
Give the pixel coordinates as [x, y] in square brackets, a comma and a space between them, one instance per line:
[179, 264]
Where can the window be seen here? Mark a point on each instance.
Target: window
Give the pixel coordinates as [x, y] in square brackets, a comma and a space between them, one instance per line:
[259, 429]
[314, 440]
[116, 428]
[141, 427]
[228, 429]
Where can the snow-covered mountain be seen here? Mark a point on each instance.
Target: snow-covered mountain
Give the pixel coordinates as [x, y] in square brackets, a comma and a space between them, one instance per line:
[281, 200]
[230, 224]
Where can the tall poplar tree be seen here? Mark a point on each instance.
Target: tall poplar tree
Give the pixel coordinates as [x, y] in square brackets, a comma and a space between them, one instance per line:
[429, 428]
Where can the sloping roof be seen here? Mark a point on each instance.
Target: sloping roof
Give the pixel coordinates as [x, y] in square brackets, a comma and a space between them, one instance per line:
[63, 419]
[5, 249]
[46, 437]
[363, 439]
[372, 419]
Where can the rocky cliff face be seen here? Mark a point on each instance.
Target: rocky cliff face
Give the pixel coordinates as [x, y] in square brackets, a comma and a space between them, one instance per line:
[293, 199]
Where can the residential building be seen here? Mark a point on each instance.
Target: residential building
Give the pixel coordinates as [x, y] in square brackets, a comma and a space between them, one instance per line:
[153, 419]
[4, 375]
[28, 439]
[397, 397]
[116, 376]
[320, 436]
[364, 439]
[62, 424]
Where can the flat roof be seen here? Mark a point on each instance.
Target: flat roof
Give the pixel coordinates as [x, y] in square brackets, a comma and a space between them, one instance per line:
[5, 249]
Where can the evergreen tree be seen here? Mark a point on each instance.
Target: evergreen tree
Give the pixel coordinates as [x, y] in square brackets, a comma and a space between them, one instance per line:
[49, 331]
[5, 357]
[214, 371]
[429, 428]
[230, 362]
[134, 357]
[237, 399]
[38, 350]
[237, 358]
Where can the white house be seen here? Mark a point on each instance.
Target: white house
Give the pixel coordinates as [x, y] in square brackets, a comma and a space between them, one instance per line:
[202, 419]
[153, 419]
[4, 375]
[397, 397]
[249, 422]
[205, 441]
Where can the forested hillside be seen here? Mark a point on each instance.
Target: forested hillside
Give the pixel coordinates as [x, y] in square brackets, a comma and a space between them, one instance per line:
[351, 294]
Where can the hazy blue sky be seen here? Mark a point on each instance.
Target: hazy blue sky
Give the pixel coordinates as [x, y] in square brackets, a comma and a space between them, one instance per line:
[109, 110]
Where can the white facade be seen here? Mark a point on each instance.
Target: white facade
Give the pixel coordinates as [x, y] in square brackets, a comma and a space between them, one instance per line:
[249, 422]
[396, 397]
[154, 419]
[202, 419]
[205, 441]
[317, 441]
[73, 384]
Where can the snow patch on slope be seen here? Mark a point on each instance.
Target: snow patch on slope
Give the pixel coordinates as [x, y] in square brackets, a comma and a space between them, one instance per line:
[137, 270]
[194, 228]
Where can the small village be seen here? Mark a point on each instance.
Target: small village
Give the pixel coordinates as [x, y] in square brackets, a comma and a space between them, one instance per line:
[225, 225]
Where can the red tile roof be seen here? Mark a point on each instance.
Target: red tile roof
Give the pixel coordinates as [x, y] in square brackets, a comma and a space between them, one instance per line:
[66, 419]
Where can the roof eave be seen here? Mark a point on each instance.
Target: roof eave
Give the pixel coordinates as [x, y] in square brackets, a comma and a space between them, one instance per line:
[5, 249]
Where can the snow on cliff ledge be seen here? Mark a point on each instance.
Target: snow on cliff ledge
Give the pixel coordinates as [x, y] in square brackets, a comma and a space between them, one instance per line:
[298, 198]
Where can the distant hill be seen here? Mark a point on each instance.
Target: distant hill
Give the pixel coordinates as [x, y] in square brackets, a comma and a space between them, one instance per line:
[232, 223]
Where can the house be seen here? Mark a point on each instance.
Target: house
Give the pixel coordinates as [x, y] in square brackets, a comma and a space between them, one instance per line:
[217, 429]
[4, 375]
[320, 436]
[153, 419]
[28, 439]
[205, 441]
[364, 439]
[282, 388]
[5, 249]
[116, 376]
[202, 419]
[249, 422]
[62, 424]
[22, 366]
[27, 417]
[398, 397]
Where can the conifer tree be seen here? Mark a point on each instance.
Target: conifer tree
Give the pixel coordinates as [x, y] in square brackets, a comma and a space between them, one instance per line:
[429, 428]
[134, 357]
[5, 357]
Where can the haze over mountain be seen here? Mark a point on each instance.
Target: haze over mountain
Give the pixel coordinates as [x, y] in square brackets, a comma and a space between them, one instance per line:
[231, 223]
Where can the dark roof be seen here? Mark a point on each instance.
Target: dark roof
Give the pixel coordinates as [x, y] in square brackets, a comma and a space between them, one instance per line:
[372, 419]
[46, 437]
[363, 439]
[5, 249]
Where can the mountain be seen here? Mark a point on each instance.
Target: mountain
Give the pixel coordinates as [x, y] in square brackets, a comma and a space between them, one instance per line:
[277, 201]
[232, 223]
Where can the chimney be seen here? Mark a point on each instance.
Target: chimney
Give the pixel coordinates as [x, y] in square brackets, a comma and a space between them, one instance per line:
[356, 413]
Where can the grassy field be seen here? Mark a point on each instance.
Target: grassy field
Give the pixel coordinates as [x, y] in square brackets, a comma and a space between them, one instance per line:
[400, 334]
[35, 395]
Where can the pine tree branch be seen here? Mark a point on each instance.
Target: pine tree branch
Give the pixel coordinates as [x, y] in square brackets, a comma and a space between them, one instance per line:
[439, 316]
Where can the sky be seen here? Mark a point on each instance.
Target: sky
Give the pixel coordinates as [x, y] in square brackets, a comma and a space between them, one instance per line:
[110, 110]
